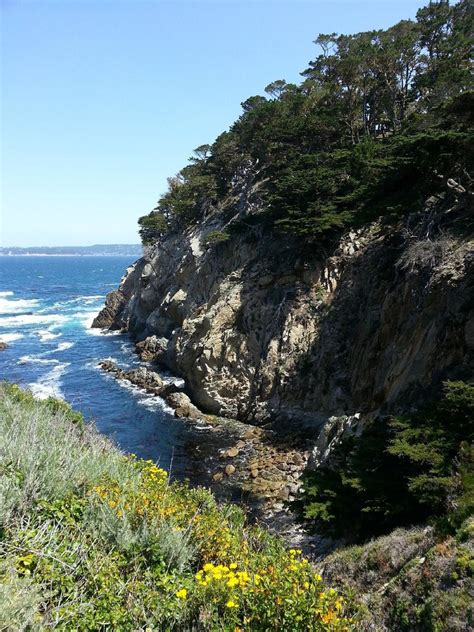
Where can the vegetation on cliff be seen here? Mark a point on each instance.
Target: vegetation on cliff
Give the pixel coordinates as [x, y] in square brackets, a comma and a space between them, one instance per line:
[416, 467]
[381, 121]
[92, 539]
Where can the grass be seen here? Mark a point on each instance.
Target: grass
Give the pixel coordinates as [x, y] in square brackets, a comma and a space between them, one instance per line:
[91, 539]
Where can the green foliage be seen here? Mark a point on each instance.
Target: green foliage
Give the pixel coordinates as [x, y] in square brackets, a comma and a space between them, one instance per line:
[94, 539]
[216, 237]
[399, 473]
[152, 226]
[370, 131]
[410, 579]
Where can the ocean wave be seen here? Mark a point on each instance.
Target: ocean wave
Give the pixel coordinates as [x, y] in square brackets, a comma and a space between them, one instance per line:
[85, 318]
[32, 319]
[31, 359]
[103, 332]
[10, 337]
[9, 293]
[173, 379]
[152, 402]
[49, 385]
[62, 346]
[15, 306]
[77, 301]
[94, 297]
[46, 334]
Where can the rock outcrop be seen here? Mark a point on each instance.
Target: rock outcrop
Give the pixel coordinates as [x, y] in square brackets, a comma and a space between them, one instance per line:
[117, 300]
[152, 383]
[262, 327]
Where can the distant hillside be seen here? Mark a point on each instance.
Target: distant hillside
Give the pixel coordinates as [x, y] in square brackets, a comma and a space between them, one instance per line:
[129, 250]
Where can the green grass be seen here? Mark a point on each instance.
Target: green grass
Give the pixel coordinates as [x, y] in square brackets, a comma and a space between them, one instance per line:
[91, 539]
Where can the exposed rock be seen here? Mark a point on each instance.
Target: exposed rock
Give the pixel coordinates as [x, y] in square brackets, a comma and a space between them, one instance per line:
[373, 324]
[114, 303]
[152, 383]
[152, 349]
[330, 434]
[117, 300]
[145, 378]
[229, 469]
[232, 452]
[3, 346]
[183, 407]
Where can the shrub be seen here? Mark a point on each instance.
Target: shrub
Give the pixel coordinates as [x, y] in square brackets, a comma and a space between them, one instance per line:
[216, 237]
[398, 473]
[93, 538]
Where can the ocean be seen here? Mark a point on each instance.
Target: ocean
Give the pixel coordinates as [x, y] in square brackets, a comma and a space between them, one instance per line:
[46, 307]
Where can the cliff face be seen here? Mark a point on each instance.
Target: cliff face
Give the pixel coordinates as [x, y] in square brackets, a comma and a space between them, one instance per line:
[261, 327]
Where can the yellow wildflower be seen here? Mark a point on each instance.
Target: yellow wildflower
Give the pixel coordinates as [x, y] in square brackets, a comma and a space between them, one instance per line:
[231, 604]
[182, 594]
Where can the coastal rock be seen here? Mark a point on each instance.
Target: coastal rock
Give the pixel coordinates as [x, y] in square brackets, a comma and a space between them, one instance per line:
[152, 349]
[3, 346]
[183, 407]
[113, 314]
[141, 377]
[261, 331]
[145, 378]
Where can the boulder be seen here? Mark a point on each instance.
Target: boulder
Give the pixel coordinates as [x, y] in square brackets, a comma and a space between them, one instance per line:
[152, 349]
[114, 304]
[144, 378]
[183, 406]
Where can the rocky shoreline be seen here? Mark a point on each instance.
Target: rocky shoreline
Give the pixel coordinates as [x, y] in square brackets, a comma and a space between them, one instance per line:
[257, 466]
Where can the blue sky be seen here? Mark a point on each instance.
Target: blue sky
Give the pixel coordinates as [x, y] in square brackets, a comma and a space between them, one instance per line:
[102, 100]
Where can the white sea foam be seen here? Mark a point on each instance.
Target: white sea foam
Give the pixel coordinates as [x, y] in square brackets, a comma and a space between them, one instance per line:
[155, 403]
[10, 337]
[92, 297]
[46, 334]
[6, 293]
[152, 402]
[103, 332]
[31, 359]
[86, 318]
[32, 319]
[172, 379]
[15, 306]
[62, 346]
[49, 385]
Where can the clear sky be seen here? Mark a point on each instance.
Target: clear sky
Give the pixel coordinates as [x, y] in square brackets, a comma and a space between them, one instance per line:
[102, 100]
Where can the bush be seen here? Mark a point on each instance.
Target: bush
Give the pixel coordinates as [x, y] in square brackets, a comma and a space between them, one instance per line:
[398, 473]
[152, 226]
[93, 538]
[216, 237]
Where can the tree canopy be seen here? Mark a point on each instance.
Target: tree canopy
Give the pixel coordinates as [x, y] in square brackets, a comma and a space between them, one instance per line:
[379, 121]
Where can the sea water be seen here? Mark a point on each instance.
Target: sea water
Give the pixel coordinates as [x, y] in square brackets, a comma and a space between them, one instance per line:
[47, 305]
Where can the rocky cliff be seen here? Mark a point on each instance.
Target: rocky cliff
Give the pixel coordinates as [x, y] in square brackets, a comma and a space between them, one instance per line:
[262, 326]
